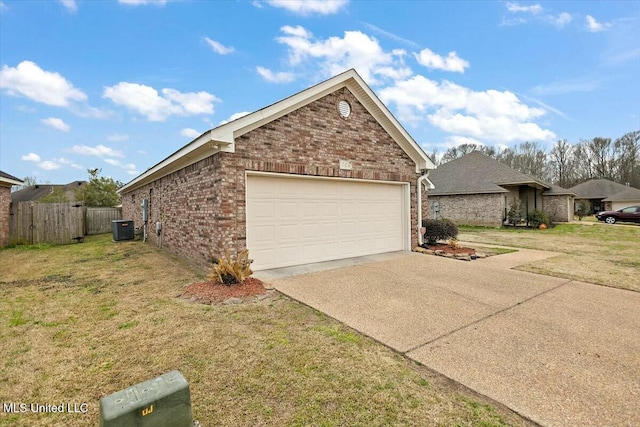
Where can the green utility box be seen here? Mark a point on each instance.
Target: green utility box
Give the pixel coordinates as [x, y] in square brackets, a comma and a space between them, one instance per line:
[161, 402]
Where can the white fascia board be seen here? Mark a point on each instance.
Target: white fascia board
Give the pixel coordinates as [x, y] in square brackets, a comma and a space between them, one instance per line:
[200, 148]
[224, 136]
[10, 181]
[397, 131]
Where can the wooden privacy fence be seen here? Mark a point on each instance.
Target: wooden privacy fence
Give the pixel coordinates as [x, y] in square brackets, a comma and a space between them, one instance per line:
[33, 223]
[98, 220]
[58, 223]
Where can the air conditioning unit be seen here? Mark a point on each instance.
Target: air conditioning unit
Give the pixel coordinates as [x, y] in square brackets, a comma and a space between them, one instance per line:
[122, 230]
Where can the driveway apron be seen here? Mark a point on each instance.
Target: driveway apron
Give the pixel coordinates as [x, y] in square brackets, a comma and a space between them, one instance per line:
[561, 353]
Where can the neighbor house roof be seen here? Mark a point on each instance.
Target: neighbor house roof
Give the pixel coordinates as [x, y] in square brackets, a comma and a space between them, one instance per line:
[629, 194]
[222, 138]
[38, 191]
[477, 173]
[556, 190]
[7, 180]
[597, 189]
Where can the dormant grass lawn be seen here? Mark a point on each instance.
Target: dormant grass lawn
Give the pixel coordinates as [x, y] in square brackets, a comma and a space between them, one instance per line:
[82, 321]
[591, 252]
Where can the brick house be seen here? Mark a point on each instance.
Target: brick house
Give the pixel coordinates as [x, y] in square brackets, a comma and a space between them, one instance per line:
[6, 182]
[325, 174]
[603, 195]
[477, 190]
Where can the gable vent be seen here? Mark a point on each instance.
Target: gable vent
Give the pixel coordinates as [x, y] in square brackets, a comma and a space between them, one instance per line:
[344, 109]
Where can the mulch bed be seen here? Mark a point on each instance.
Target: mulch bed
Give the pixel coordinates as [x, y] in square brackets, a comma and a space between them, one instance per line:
[450, 250]
[212, 292]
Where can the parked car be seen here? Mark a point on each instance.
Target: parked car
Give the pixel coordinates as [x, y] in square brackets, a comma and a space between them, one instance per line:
[630, 213]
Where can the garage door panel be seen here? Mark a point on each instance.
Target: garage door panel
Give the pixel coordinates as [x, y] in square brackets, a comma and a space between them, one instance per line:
[296, 220]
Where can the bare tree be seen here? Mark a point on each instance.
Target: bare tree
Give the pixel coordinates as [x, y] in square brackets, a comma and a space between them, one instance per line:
[561, 163]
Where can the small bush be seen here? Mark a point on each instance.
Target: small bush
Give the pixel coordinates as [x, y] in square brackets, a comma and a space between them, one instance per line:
[439, 229]
[582, 210]
[538, 217]
[230, 271]
[514, 215]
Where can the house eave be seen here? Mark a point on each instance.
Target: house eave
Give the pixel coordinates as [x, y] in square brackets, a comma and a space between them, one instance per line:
[223, 137]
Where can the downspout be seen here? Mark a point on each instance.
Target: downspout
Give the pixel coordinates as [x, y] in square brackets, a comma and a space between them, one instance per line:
[420, 182]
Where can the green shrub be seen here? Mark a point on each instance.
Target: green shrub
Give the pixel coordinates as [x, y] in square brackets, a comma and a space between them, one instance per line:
[538, 217]
[439, 229]
[514, 215]
[230, 271]
[582, 210]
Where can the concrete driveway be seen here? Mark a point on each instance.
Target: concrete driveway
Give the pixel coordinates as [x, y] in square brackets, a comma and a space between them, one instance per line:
[559, 352]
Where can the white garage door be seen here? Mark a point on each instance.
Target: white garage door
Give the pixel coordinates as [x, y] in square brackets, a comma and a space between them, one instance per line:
[293, 221]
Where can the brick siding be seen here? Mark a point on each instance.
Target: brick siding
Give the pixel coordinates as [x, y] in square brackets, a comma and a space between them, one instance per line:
[559, 208]
[469, 209]
[5, 204]
[202, 206]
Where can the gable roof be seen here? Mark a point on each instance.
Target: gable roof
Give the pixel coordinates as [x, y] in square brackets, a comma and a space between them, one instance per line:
[222, 138]
[597, 189]
[629, 194]
[7, 180]
[34, 193]
[477, 173]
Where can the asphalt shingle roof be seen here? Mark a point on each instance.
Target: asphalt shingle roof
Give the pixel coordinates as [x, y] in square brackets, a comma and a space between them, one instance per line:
[36, 192]
[477, 173]
[6, 175]
[597, 189]
[629, 194]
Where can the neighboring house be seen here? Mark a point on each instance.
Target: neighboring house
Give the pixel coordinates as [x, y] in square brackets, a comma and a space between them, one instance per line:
[478, 190]
[602, 195]
[6, 182]
[34, 193]
[325, 174]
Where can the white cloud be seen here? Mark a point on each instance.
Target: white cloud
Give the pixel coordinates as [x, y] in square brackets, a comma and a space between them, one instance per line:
[49, 165]
[218, 47]
[561, 20]
[335, 54]
[56, 123]
[190, 133]
[99, 151]
[452, 62]
[70, 5]
[147, 101]
[514, 7]
[31, 157]
[277, 77]
[560, 87]
[143, 2]
[118, 137]
[67, 162]
[594, 26]
[298, 31]
[233, 117]
[487, 115]
[28, 79]
[456, 140]
[310, 7]
[129, 167]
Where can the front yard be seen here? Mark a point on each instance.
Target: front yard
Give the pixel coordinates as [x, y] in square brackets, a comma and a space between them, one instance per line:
[591, 252]
[82, 321]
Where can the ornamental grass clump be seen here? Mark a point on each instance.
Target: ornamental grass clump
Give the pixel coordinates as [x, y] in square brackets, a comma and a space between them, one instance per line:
[229, 271]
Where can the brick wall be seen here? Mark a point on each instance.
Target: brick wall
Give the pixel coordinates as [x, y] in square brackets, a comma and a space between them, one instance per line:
[469, 209]
[559, 208]
[5, 202]
[202, 206]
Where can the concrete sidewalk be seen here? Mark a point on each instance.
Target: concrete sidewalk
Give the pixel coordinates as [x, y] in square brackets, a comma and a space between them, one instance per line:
[559, 352]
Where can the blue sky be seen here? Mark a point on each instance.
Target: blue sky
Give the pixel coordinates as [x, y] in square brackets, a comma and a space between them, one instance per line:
[121, 84]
